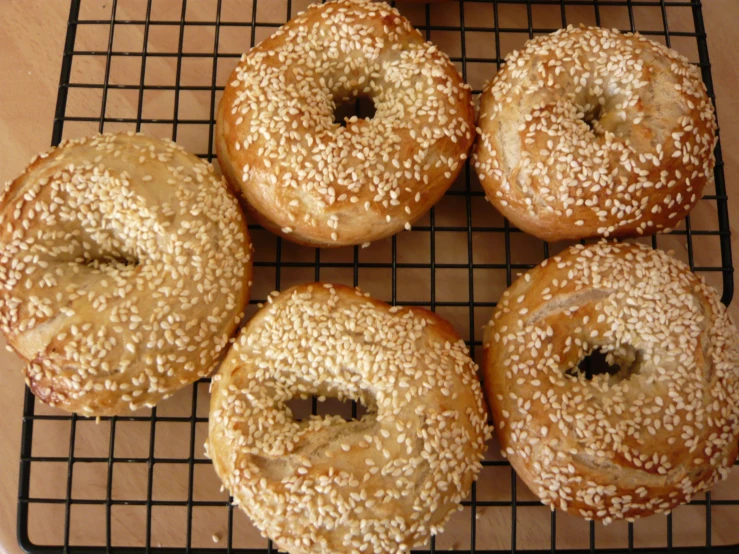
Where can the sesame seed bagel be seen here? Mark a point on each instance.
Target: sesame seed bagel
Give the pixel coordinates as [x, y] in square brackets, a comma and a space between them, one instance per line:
[316, 182]
[125, 267]
[587, 132]
[382, 483]
[642, 440]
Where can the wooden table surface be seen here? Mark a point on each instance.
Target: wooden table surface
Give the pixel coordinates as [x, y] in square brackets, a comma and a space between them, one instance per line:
[32, 34]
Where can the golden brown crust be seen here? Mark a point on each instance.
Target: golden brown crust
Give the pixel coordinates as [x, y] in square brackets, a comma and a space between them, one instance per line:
[125, 266]
[640, 166]
[645, 440]
[315, 182]
[326, 485]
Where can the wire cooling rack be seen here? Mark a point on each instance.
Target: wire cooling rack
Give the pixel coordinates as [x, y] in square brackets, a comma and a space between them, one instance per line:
[139, 483]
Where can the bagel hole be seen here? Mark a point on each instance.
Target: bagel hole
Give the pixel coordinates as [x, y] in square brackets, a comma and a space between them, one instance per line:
[618, 365]
[121, 261]
[362, 107]
[303, 408]
[118, 261]
[106, 260]
[592, 116]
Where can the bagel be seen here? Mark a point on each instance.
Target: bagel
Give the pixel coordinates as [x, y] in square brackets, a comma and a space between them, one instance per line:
[590, 133]
[382, 483]
[316, 182]
[125, 267]
[630, 443]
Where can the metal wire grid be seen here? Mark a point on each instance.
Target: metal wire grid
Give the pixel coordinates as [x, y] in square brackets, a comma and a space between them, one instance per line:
[467, 193]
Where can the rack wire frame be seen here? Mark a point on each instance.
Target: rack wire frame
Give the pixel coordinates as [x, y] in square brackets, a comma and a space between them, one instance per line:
[30, 418]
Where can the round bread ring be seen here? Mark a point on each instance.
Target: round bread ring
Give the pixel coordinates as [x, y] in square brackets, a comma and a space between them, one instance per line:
[661, 430]
[384, 482]
[125, 267]
[320, 184]
[637, 169]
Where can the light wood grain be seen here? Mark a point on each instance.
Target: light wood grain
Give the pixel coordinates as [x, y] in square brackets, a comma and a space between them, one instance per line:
[30, 58]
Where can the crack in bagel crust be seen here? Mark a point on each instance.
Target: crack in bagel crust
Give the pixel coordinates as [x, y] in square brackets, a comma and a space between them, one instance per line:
[380, 484]
[318, 183]
[125, 266]
[587, 132]
[614, 448]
